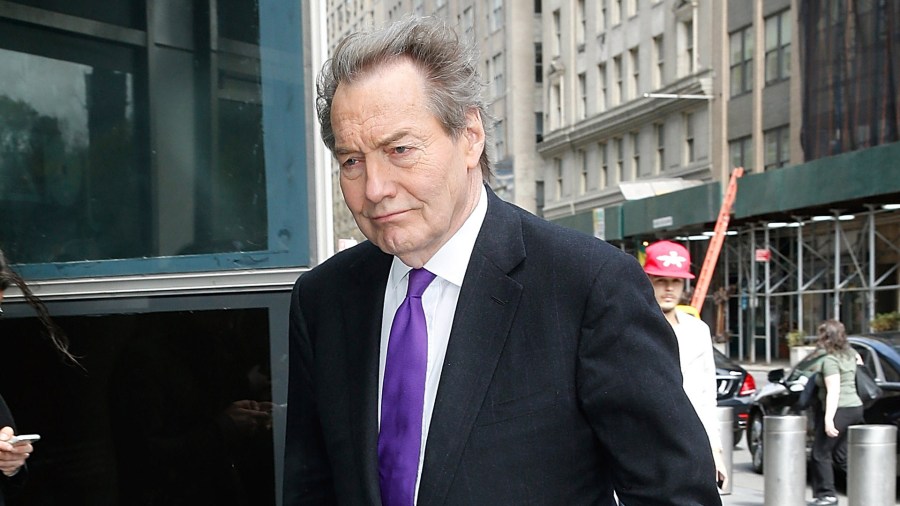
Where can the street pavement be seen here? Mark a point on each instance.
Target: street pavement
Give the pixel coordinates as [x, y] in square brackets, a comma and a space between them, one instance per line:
[747, 487]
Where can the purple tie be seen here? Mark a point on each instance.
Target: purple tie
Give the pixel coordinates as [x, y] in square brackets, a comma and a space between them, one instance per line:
[403, 396]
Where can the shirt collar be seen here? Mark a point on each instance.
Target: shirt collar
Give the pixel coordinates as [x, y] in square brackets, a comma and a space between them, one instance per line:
[452, 259]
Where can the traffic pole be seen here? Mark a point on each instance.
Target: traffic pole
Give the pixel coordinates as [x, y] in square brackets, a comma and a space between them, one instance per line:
[871, 465]
[784, 460]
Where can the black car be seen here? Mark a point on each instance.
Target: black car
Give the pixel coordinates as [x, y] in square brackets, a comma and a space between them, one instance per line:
[881, 356]
[734, 388]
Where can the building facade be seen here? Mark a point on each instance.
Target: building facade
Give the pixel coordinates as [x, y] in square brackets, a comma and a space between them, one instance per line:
[603, 137]
[770, 87]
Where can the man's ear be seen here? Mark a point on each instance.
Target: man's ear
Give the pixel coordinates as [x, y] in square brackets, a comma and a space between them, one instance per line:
[473, 138]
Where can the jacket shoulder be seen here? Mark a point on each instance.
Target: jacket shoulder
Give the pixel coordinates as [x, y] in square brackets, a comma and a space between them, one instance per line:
[584, 248]
[342, 266]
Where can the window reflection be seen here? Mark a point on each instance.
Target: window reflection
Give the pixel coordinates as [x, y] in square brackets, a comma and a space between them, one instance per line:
[121, 12]
[67, 159]
[110, 149]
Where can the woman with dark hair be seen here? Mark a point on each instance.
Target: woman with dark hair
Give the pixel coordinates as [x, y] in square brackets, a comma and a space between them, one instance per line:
[840, 407]
[9, 277]
[12, 457]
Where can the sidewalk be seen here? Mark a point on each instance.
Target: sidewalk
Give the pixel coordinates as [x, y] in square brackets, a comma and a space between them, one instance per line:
[748, 487]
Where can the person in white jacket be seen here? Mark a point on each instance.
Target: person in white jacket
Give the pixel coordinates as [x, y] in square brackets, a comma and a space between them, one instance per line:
[668, 264]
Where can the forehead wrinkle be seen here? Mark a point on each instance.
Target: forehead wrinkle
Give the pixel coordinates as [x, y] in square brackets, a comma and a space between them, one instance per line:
[369, 134]
[392, 137]
[366, 121]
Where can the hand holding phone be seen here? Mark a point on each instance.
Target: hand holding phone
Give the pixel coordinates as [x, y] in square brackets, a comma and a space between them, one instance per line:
[23, 439]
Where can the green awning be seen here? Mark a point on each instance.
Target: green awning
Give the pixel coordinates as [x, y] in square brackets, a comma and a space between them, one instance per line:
[603, 222]
[868, 173]
[613, 219]
[672, 211]
[582, 221]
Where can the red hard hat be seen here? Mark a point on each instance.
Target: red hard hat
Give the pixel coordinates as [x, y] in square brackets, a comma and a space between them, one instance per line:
[668, 259]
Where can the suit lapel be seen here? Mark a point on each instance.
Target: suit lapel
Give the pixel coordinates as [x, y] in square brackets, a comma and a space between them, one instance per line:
[487, 304]
[362, 308]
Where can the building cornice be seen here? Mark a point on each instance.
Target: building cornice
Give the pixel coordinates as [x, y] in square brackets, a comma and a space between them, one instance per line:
[626, 117]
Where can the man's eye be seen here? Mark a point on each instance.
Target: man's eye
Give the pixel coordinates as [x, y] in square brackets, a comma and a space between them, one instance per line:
[401, 149]
[350, 162]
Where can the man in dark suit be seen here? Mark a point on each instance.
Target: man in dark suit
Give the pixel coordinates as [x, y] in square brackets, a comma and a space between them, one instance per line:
[548, 375]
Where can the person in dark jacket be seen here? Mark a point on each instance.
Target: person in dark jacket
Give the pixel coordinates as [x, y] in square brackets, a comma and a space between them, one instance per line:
[12, 457]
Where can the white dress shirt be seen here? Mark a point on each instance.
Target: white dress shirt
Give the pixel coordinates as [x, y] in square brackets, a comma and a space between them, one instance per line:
[439, 302]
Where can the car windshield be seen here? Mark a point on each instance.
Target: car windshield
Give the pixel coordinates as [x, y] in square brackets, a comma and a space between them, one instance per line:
[807, 366]
[895, 343]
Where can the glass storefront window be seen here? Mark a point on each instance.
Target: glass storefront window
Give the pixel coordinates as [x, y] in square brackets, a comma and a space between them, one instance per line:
[129, 13]
[69, 154]
[165, 143]
[173, 407]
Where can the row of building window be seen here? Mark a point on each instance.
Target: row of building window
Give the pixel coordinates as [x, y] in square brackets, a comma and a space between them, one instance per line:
[617, 79]
[606, 14]
[777, 150]
[777, 53]
[612, 88]
[466, 20]
[613, 167]
[777, 61]
[347, 17]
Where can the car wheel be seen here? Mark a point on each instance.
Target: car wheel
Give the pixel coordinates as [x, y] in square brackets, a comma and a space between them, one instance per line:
[737, 437]
[755, 442]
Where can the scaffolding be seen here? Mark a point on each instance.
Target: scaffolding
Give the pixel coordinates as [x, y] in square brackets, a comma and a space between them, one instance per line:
[789, 276]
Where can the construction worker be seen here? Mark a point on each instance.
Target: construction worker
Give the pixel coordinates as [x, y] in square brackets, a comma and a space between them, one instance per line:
[668, 264]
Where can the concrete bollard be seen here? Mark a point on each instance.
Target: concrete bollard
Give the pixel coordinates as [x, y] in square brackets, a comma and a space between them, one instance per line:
[784, 460]
[726, 435]
[871, 465]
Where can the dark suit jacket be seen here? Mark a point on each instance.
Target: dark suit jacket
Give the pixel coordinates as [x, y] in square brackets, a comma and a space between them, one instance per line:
[561, 380]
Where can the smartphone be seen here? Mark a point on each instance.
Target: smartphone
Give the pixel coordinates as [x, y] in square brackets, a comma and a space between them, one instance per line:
[23, 438]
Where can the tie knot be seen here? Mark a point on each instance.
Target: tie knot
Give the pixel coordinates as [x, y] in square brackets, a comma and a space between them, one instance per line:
[419, 279]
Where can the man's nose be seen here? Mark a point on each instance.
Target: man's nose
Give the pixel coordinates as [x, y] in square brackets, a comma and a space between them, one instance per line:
[379, 178]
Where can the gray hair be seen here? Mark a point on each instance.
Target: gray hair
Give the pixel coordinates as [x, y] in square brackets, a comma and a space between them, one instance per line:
[449, 64]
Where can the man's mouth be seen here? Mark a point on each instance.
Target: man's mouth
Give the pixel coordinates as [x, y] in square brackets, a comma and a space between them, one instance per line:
[387, 216]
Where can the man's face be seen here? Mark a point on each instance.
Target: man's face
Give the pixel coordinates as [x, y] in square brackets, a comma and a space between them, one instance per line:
[668, 291]
[409, 185]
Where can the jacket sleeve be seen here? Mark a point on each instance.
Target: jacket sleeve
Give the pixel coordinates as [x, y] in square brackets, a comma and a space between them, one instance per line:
[9, 485]
[630, 386]
[307, 473]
